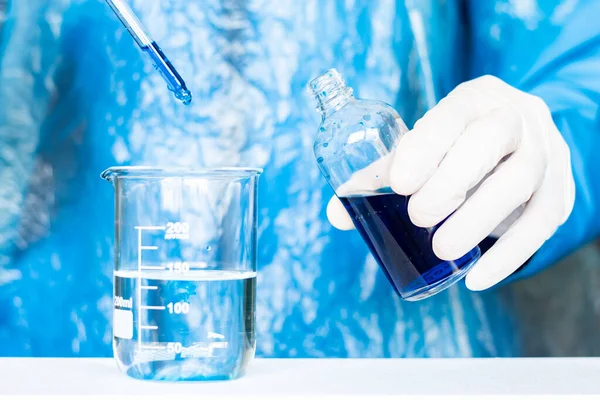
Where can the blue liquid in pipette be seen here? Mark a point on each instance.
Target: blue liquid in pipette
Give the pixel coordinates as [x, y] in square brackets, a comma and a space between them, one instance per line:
[174, 81]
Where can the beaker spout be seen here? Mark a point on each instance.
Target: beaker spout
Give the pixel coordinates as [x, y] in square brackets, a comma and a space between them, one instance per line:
[108, 175]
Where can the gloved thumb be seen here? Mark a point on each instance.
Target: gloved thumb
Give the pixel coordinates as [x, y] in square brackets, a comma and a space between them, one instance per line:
[338, 216]
[367, 180]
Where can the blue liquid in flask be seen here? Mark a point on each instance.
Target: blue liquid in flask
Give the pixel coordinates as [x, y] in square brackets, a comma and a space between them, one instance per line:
[403, 250]
[174, 327]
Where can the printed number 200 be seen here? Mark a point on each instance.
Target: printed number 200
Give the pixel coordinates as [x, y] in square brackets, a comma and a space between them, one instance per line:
[176, 228]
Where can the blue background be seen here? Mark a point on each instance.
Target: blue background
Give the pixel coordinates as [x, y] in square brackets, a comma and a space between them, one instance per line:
[77, 96]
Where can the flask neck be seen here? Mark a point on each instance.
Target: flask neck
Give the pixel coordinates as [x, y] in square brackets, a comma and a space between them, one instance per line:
[331, 92]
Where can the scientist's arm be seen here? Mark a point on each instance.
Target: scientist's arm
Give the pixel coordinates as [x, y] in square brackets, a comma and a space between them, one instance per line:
[521, 153]
[567, 77]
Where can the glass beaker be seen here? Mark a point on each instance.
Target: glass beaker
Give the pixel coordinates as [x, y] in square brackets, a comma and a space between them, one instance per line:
[185, 271]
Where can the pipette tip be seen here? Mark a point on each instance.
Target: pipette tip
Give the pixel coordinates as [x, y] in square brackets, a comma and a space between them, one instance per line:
[184, 95]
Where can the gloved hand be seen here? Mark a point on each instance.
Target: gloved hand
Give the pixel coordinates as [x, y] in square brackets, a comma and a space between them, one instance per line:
[491, 153]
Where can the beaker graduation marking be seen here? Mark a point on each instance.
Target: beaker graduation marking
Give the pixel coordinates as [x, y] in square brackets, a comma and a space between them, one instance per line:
[174, 231]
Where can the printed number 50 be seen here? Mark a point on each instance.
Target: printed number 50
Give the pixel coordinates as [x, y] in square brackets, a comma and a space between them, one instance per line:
[174, 347]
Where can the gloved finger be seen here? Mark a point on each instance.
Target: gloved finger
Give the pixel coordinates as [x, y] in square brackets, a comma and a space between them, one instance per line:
[369, 179]
[421, 150]
[537, 224]
[511, 185]
[477, 151]
[338, 216]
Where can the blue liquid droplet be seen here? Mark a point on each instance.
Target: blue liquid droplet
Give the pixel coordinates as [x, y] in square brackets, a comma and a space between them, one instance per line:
[367, 117]
[362, 123]
[325, 144]
[320, 159]
[322, 129]
[208, 248]
[376, 176]
[324, 93]
[184, 95]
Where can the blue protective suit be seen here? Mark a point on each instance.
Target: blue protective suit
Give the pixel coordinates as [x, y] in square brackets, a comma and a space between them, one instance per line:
[76, 96]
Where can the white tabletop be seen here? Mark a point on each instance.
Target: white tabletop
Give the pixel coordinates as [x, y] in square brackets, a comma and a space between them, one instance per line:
[305, 378]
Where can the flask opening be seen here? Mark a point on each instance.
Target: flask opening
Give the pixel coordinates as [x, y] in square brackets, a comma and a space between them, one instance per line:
[331, 92]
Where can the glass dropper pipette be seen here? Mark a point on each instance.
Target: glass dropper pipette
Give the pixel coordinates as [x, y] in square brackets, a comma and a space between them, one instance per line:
[162, 64]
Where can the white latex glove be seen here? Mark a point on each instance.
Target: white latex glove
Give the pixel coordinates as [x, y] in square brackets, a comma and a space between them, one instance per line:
[461, 146]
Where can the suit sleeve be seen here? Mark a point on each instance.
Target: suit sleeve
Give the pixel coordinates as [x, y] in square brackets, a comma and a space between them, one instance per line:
[567, 76]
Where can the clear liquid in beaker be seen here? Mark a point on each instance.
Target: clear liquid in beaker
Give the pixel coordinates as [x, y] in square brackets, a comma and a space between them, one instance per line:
[193, 326]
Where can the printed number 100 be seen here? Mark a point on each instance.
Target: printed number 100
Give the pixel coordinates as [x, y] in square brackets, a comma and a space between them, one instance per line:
[181, 307]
